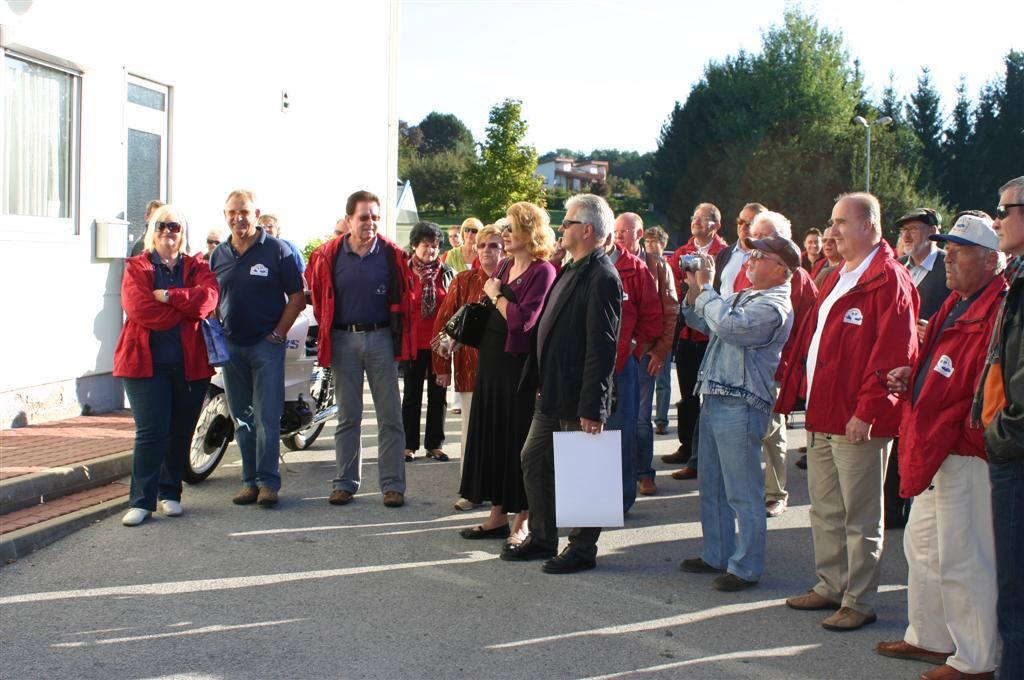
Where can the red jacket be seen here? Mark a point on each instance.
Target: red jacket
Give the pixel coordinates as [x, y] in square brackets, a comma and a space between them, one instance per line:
[857, 350]
[641, 307]
[320, 278]
[939, 423]
[184, 307]
[803, 294]
[718, 244]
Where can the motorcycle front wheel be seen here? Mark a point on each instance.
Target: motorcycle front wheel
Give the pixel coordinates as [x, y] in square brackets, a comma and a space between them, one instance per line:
[214, 431]
[321, 389]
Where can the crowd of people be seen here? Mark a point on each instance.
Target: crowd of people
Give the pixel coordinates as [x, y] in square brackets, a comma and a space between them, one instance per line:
[909, 371]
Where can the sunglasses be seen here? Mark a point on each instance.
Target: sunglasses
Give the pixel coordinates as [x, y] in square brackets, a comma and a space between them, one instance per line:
[369, 218]
[211, 242]
[568, 223]
[1002, 212]
[742, 223]
[761, 255]
[470, 230]
[173, 227]
[489, 246]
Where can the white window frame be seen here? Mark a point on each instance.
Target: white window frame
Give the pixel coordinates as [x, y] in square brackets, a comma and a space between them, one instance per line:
[145, 119]
[11, 225]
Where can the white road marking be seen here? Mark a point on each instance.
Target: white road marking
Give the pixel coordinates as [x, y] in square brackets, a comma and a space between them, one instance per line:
[195, 631]
[747, 654]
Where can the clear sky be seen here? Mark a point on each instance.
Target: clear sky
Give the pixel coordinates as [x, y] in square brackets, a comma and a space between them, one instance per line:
[606, 74]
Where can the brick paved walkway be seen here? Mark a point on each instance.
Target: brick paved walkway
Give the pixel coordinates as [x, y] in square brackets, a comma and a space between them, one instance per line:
[61, 506]
[39, 447]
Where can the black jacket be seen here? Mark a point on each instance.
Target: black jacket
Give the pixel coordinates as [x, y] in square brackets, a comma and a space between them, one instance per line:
[1004, 436]
[932, 289]
[577, 364]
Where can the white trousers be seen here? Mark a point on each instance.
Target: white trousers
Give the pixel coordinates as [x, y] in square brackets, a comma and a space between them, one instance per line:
[951, 604]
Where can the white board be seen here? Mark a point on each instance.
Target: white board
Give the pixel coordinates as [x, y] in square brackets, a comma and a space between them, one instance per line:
[588, 479]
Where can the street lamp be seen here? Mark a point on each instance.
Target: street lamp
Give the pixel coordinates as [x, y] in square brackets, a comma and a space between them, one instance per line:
[881, 122]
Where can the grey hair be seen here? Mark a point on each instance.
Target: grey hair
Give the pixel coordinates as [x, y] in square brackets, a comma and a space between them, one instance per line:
[870, 208]
[593, 209]
[1000, 261]
[1017, 187]
[779, 222]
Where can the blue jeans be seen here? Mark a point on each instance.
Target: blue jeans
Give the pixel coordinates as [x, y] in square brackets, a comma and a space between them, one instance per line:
[165, 408]
[624, 420]
[254, 383]
[1008, 522]
[732, 486]
[663, 393]
[644, 428]
[352, 355]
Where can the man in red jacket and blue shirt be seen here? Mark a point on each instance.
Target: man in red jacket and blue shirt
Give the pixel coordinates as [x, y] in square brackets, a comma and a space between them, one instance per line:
[949, 543]
[863, 325]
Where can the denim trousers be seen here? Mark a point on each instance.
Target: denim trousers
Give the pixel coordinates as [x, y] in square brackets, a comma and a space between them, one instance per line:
[624, 420]
[644, 427]
[538, 456]
[254, 383]
[732, 486]
[371, 354]
[165, 408]
[1008, 521]
[663, 393]
[416, 371]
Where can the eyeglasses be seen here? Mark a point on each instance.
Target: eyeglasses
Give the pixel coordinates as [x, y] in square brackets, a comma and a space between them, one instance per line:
[212, 242]
[568, 223]
[489, 246]
[1002, 212]
[173, 227]
[470, 230]
[369, 218]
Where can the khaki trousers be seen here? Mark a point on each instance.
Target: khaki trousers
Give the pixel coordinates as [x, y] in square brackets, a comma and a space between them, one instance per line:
[773, 445]
[845, 482]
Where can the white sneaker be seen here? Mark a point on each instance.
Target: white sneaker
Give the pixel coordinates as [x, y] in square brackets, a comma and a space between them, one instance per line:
[171, 508]
[134, 517]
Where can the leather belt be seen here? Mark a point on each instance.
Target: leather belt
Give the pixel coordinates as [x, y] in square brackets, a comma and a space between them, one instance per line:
[360, 327]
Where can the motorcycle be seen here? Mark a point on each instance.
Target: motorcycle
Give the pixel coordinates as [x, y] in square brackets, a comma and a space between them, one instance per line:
[309, 404]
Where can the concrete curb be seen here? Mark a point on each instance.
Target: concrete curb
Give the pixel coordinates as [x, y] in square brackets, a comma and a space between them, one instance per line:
[18, 544]
[26, 491]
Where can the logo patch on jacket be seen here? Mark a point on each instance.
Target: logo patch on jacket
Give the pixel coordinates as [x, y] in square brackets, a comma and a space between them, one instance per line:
[944, 366]
[853, 316]
[625, 296]
[382, 289]
[259, 270]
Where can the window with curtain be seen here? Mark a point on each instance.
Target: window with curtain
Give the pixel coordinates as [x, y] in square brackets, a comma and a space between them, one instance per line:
[38, 139]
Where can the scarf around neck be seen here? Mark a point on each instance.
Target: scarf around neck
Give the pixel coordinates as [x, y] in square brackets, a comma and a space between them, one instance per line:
[427, 271]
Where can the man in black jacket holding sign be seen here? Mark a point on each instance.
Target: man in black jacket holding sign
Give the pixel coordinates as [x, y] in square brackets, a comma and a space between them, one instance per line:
[571, 363]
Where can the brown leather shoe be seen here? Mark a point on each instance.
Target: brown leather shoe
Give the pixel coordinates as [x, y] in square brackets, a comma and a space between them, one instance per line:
[680, 456]
[661, 429]
[812, 600]
[340, 497]
[847, 619]
[394, 499]
[686, 473]
[901, 649]
[267, 497]
[945, 672]
[648, 487]
[247, 496]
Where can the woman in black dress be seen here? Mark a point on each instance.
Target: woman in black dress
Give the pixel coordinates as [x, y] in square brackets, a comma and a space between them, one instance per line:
[501, 415]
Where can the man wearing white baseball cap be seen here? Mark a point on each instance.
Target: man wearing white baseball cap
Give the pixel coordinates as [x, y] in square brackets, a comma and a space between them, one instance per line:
[949, 542]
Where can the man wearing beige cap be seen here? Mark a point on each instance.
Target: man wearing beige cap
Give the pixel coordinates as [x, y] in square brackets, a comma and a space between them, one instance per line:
[949, 544]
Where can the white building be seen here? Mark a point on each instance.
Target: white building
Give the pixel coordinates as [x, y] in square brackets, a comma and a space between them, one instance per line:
[566, 173]
[108, 104]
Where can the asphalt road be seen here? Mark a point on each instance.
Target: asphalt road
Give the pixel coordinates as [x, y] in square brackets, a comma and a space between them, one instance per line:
[310, 590]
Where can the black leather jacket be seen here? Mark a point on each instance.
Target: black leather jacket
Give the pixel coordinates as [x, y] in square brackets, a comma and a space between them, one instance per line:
[1004, 436]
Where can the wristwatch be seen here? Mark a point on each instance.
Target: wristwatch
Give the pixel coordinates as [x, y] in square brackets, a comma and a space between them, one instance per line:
[167, 295]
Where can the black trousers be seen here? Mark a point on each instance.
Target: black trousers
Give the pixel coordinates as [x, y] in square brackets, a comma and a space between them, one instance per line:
[539, 480]
[415, 372]
[689, 355]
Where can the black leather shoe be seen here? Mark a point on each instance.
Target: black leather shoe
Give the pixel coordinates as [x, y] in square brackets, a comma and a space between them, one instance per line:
[681, 455]
[500, 531]
[527, 550]
[802, 462]
[730, 583]
[698, 566]
[568, 562]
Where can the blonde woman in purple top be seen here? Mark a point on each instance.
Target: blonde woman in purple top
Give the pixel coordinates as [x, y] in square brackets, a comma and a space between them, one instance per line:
[501, 415]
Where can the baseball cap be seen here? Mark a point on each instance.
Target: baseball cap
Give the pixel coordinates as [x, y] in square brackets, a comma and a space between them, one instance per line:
[926, 215]
[777, 245]
[971, 230]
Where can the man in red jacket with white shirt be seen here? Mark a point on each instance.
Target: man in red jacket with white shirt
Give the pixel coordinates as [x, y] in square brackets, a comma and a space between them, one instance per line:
[862, 326]
[949, 541]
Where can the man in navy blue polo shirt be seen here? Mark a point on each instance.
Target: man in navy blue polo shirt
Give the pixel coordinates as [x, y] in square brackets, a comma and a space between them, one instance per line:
[359, 285]
[261, 293]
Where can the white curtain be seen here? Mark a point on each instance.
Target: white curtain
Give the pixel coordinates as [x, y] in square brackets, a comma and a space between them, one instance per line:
[38, 121]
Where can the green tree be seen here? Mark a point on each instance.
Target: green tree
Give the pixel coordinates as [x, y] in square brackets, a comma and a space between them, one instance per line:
[504, 173]
[956, 148]
[444, 132]
[438, 179]
[924, 115]
[892, 103]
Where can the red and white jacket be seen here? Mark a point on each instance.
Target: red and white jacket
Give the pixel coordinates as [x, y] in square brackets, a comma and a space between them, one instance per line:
[870, 330]
[939, 424]
[641, 307]
[185, 306]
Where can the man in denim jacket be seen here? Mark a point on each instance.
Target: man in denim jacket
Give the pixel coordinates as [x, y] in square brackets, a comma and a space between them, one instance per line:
[736, 381]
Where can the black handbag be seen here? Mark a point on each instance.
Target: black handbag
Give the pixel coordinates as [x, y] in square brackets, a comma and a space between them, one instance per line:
[467, 325]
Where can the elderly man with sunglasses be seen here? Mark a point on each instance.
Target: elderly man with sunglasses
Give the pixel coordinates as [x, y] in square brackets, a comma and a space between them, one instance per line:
[747, 332]
[862, 326]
